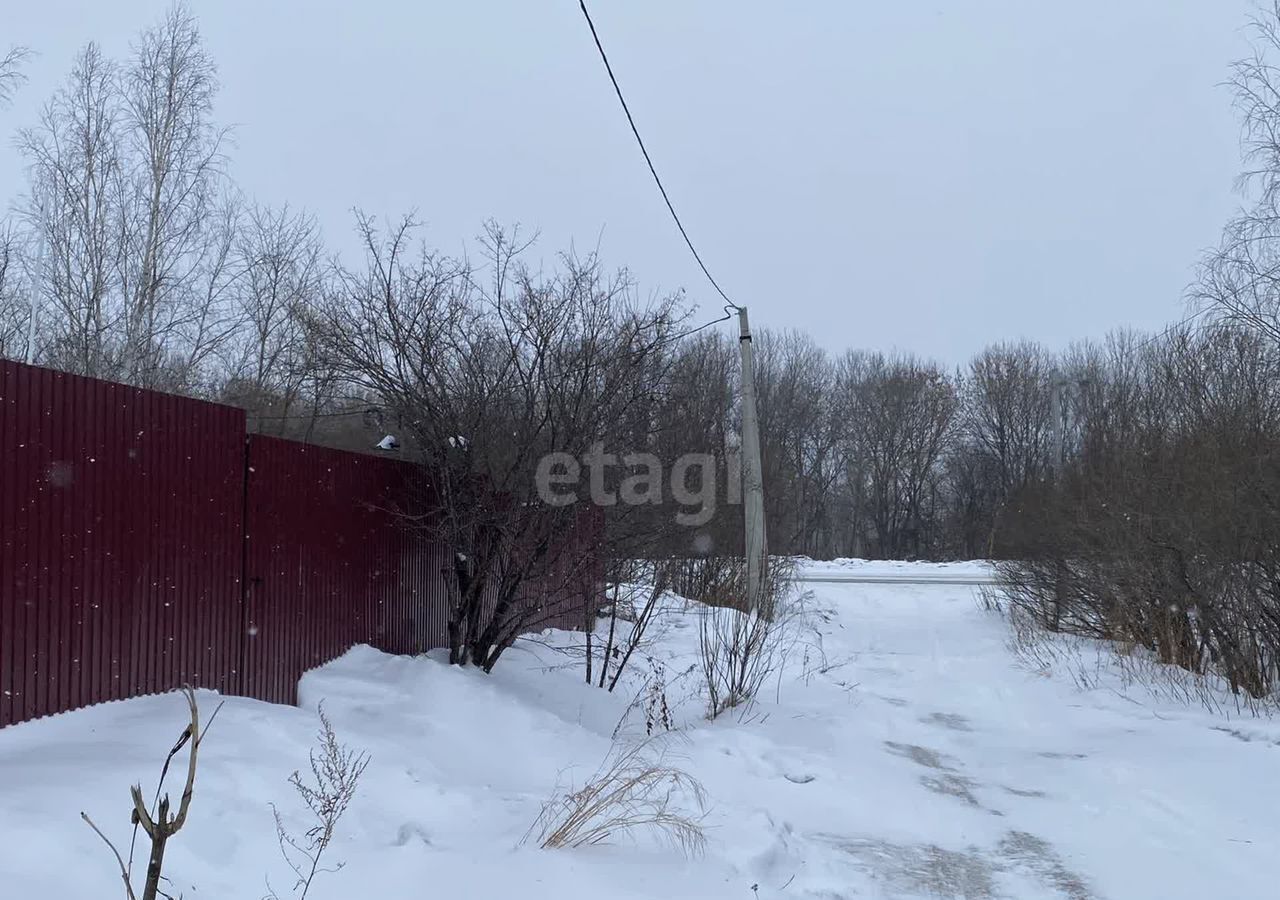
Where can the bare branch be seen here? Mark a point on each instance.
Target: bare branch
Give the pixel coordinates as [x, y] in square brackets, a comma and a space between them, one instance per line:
[11, 75]
[124, 873]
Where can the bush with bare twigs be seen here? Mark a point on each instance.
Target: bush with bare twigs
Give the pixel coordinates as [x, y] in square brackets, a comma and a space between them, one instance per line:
[1120, 665]
[634, 791]
[335, 773]
[739, 650]
[655, 702]
[637, 610]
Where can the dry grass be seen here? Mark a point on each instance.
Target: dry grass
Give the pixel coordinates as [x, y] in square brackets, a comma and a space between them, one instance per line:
[1121, 666]
[635, 791]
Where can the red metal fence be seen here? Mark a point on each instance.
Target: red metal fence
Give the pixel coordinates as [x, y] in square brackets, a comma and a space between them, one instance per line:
[146, 542]
[120, 522]
[334, 570]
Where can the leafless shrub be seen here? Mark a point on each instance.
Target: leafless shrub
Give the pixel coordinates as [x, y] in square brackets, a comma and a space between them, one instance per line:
[657, 712]
[637, 619]
[1122, 666]
[497, 371]
[335, 774]
[634, 791]
[1046, 653]
[656, 701]
[990, 599]
[155, 821]
[722, 580]
[740, 650]
[701, 578]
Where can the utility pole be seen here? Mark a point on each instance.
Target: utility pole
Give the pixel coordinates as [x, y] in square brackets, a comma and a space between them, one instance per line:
[1055, 422]
[33, 303]
[752, 479]
[1057, 509]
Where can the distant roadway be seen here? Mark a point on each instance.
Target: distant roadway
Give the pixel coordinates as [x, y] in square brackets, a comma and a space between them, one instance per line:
[882, 577]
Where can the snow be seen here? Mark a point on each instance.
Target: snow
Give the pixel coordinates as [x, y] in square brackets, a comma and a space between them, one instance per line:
[902, 753]
[977, 569]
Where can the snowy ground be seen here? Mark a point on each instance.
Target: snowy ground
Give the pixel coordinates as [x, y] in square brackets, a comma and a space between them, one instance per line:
[924, 763]
[977, 571]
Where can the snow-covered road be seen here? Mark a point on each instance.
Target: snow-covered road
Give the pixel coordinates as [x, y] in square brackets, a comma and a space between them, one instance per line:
[902, 754]
[894, 578]
[862, 571]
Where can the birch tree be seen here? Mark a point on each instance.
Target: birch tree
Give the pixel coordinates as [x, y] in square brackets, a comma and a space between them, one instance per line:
[169, 196]
[72, 211]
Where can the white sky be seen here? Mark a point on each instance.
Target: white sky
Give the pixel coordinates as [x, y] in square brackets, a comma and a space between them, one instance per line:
[924, 176]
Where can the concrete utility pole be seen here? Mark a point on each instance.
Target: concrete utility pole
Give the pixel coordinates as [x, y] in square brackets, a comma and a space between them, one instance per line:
[752, 479]
[1058, 424]
[33, 304]
[1055, 421]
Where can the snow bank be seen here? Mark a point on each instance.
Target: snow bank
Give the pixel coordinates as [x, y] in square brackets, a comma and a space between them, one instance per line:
[901, 754]
[924, 571]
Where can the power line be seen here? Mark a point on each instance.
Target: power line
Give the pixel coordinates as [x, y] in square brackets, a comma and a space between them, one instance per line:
[684, 334]
[372, 410]
[653, 171]
[1186, 320]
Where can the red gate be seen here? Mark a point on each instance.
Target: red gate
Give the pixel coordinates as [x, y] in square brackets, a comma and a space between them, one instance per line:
[331, 562]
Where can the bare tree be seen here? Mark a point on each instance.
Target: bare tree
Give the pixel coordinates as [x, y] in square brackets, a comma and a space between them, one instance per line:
[15, 299]
[1008, 403]
[800, 438]
[903, 418]
[491, 371]
[169, 193]
[11, 75]
[1240, 281]
[1006, 426]
[72, 210]
[1160, 532]
[15, 303]
[197, 361]
[126, 217]
[280, 280]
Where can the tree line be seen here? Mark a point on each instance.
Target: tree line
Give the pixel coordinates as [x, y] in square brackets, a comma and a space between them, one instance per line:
[1145, 467]
[131, 255]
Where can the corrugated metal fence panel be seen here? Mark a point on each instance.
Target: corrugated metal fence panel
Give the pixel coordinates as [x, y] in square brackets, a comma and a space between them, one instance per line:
[128, 517]
[574, 586]
[120, 534]
[331, 563]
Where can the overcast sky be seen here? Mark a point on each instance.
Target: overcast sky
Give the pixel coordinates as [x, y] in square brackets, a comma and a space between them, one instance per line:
[921, 176]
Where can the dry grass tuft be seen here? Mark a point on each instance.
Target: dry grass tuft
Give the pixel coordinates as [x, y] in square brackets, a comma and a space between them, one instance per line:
[634, 791]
